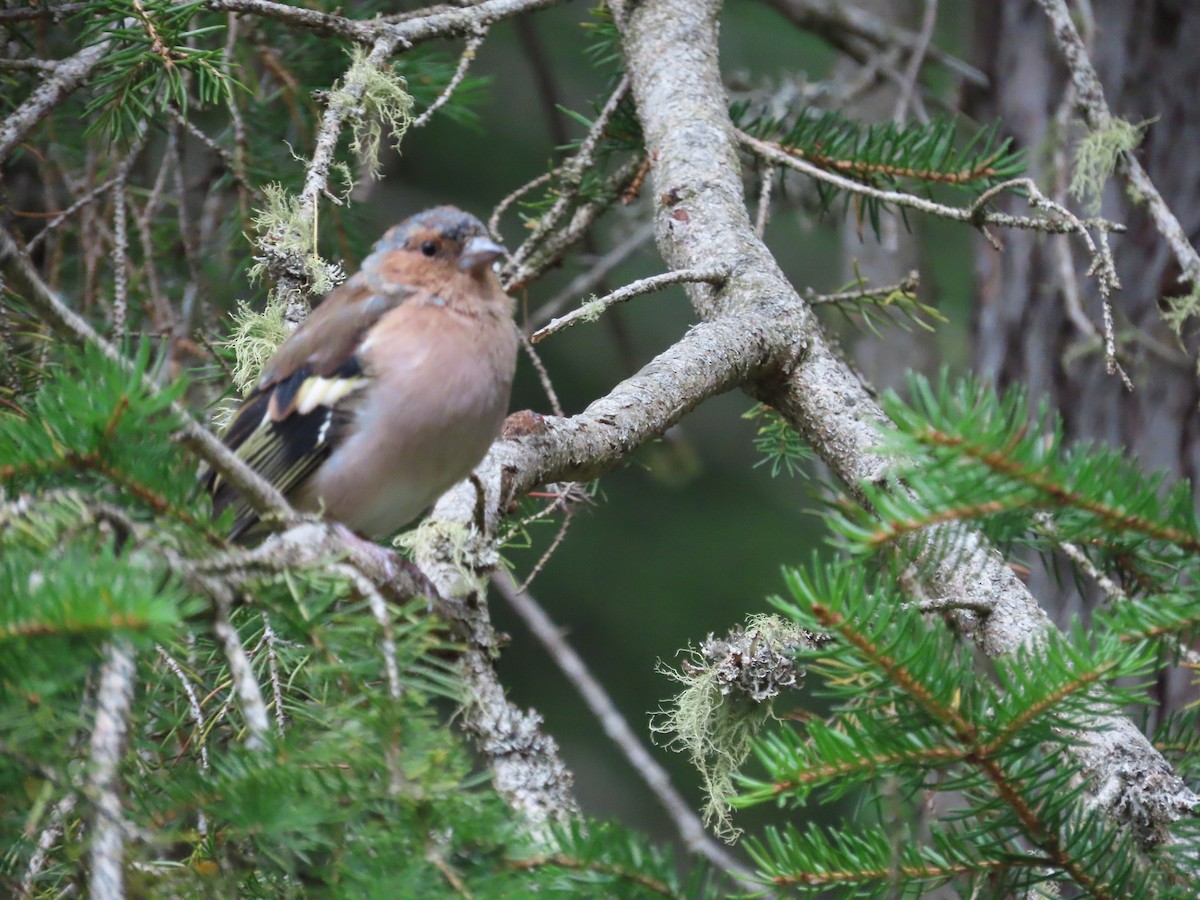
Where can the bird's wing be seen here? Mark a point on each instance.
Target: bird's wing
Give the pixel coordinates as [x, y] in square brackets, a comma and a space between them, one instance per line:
[304, 403]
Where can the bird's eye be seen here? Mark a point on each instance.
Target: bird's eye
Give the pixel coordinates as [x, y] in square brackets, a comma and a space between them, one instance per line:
[429, 248]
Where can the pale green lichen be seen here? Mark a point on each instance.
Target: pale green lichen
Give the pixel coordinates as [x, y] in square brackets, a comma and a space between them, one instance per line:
[1182, 309]
[461, 547]
[287, 238]
[254, 340]
[1096, 157]
[591, 309]
[384, 102]
[728, 685]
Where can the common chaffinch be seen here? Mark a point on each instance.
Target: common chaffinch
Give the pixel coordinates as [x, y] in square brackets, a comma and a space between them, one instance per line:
[392, 390]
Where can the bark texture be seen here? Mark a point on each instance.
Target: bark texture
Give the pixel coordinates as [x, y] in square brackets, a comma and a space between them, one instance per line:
[1145, 54]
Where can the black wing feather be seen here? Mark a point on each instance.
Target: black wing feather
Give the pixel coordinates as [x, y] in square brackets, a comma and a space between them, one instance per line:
[284, 452]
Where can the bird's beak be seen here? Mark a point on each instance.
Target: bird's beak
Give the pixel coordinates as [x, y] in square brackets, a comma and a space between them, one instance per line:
[480, 251]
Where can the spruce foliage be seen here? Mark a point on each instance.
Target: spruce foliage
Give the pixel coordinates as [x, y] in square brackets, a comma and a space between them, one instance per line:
[971, 758]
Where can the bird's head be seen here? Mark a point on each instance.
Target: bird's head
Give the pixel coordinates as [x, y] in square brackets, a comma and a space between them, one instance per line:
[439, 240]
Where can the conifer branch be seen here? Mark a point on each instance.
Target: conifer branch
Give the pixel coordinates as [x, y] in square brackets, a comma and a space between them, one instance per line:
[672, 55]
[261, 495]
[967, 734]
[245, 684]
[65, 78]
[1061, 496]
[976, 214]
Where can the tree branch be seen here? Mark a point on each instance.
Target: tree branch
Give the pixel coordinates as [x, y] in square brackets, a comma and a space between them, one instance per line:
[836, 21]
[453, 22]
[593, 309]
[66, 77]
[259, 493]
[671, 46]
[657, 779]
[1089, 100]
[114, 698]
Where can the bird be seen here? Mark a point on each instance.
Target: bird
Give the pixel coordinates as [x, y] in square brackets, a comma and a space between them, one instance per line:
[391, 391]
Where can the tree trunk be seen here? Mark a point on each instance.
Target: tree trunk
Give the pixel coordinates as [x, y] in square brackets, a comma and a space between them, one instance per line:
[1145, 54]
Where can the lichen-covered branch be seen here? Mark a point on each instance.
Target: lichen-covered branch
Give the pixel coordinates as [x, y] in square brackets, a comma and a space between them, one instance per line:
[671, 46]
[1089, 99]
[67, 75]
[114, 697]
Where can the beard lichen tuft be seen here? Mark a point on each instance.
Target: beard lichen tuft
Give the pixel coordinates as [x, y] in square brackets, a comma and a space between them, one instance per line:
[728, 685]
[383, 102]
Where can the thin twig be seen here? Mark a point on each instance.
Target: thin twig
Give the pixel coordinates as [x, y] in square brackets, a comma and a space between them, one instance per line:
[120, 257]
[543, 374]
[187, 228]
[228, 161]
[193, 701]
[240, 139]
[245, 685]
[55, 12]
[945, 604]
[908, 286]
[197, 714]
[916, 60]
[1061, 242]
[687, 823]
[156, 42]
[1089, 95]
[121, 174]
[594, 308]
[848, 28]
[29, 65]
[1112, 591]
[570, 176]
[515, 276]
[271, 640]
[586, 281]
[379, 609]
[763, 214]
[474, 42]
[559, 537]
[49, 834]
[68, 75]
[513, 197]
